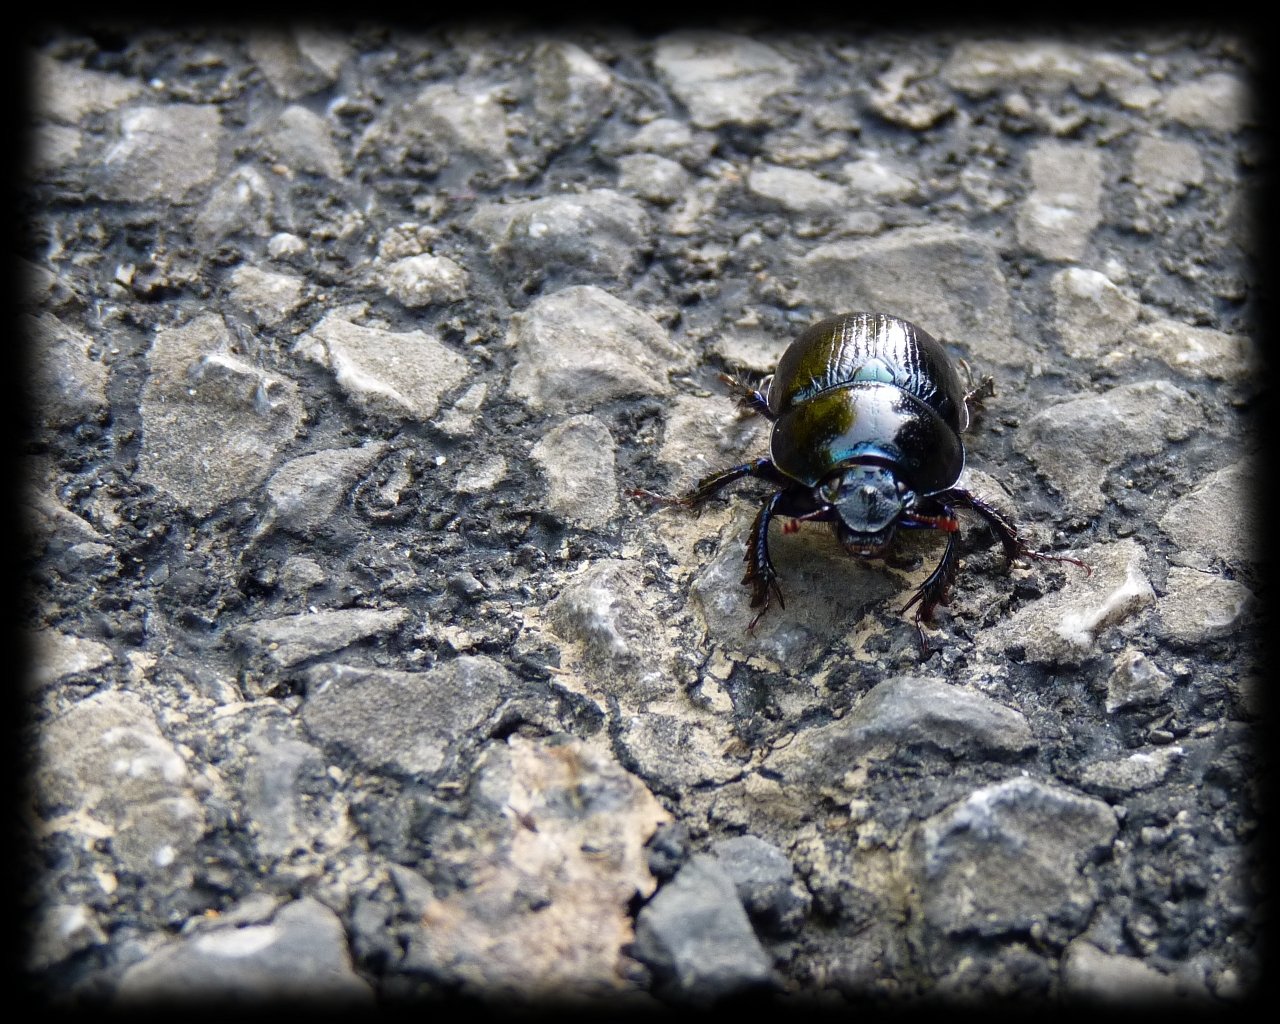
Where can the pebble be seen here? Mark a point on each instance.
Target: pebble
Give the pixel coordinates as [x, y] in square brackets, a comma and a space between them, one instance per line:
[290, 639]
[196, 390]
[304, 493]
[722, 78]
[1116, 779]
[68, 381]
[946, 280]
[163, 153]
[299, 62]
[1011, 857]
[1200, 606]
[1091, 312]
[1217, 101]
[65, 93]
[599, 234]
[301, 140]
[652, 177]
[873, 177]
[301, 955]
[1219, 519]
[267, 295]
[241, 204]
[1075, 443]
[426, 280]
[55, 656]
[110, 773]
[398, 374]
[58, 932]
[696, 937]
[704, 435]
[1064, 205]
[408, 722]
[1164, 169]
[283, 779]
[572, 91]
[545, 908]
[581, 347]
[1135, 680]
[794, 190]
[1197, 352]
[765, 882]
[899, 716]
[1112, 978]
[577, 459]
[1065, 626]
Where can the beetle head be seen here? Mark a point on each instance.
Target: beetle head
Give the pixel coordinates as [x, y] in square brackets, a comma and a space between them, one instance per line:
[869, 500]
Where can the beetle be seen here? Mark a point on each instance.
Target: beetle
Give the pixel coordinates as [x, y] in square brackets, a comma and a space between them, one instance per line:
[868, 411]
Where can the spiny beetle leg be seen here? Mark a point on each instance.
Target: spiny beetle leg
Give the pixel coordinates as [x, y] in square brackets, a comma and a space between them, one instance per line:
[933, 591]
[747, 396]
[709, 485]
[1014, 546]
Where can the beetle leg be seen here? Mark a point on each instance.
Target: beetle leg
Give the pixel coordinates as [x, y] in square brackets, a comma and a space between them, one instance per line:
[1014, 546]
[709, 485]
[760, 574]
[934, 589]
[748, 397]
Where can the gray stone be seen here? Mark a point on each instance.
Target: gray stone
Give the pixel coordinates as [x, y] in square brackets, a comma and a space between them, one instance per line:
[653, 177]
[792, 189]
[1089, 974]
[552, 844]
[577, 459]
[696, 937]
[675, 139]
[458, 127]
[1134, 681]
[1198, 352]
[400, 375]
[290, 639]
[300, 956]
[948, 281]
[242, 203]
[301, 140]
[266, 295]
[298, 62]
[163, 153]
[1065, 202]
[721, 78]
[1165, 168]
[620, 638]
[1217, 101]
[198, 390]
[981, 67]
[1011, 858]
[1200, 606]
[109, 772]
[1219, 520]
[580, 347]
[1074, 443]
[65, 93]
[898, 715]
[59, 932]
[53, 147]
[765, 881]
[404, 721]
[601, 232]
[1114, 780]
[304, 493]
[425, 280]
[282, 777]
[908, 94]
[54, 656]
[874, 177]
[68, 383]
[572, 90]
[1064, 627]
[1093, 314]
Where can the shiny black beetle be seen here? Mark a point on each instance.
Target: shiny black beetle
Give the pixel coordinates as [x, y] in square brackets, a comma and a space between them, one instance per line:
[867, 412]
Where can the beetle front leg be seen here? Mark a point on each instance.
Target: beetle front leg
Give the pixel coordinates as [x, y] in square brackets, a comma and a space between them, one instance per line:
[934, 589]
[748, 397]
[760, 576]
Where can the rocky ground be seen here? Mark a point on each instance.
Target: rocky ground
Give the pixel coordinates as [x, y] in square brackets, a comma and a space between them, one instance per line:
[358, 674]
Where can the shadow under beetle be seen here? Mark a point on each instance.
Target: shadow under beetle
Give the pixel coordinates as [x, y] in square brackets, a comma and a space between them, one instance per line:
[867, 412]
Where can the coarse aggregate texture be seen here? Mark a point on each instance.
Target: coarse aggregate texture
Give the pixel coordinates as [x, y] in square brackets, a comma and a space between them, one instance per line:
[360, 674]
